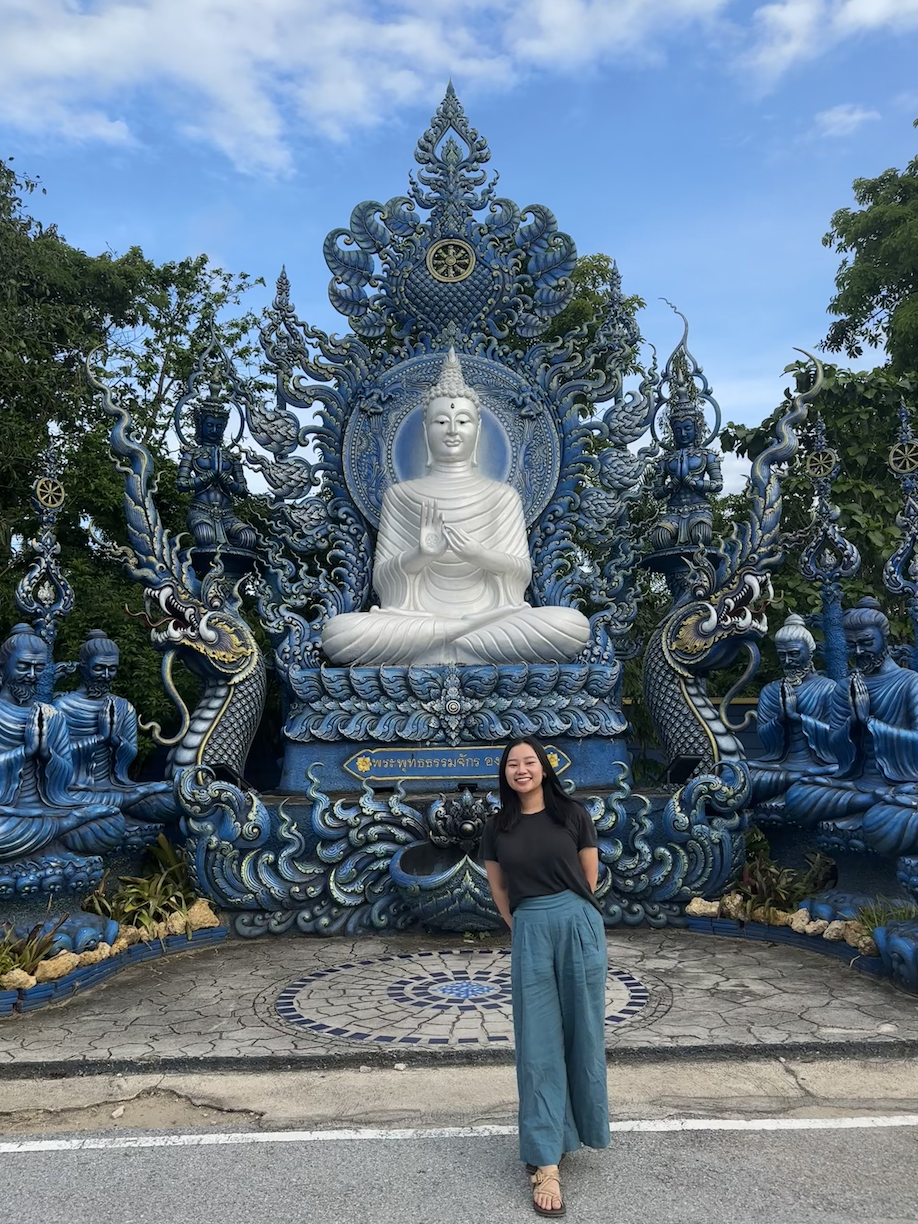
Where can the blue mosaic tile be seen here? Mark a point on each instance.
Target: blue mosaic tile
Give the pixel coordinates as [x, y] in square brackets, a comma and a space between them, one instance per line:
[469, 989]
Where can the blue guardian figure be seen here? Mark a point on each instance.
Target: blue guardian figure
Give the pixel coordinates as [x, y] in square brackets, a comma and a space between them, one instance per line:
[38, 806]
[215, 478]
[873, 735]
[793, 721]
[103, 737]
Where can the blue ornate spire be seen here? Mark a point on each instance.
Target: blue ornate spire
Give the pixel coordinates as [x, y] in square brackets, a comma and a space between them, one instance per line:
[450, 172]
[452, 274]
[900, 574]
[44, 594]
[829, 557]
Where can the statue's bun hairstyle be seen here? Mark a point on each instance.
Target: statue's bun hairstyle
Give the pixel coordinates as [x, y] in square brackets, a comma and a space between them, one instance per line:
[97, 642]
[451, 384]
[15, 639]
[868, 614]
[794, 630]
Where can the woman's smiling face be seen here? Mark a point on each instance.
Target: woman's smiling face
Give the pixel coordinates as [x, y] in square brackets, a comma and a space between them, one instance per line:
[524, 770]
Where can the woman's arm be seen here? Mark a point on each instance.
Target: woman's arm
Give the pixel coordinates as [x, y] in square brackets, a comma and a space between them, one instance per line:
[498, 886]
[589, 861]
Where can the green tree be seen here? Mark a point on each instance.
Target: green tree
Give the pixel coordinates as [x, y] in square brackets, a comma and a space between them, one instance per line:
[57, 304]
[877, 287]
[593, 277]
[860, 413]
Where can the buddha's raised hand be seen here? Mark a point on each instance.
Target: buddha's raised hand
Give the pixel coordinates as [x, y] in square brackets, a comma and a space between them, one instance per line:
[432, 537]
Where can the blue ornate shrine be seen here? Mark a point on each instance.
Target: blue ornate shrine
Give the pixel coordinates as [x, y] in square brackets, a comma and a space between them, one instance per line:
[450, 294]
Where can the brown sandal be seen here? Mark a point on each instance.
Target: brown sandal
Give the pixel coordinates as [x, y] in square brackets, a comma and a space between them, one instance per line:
[530, 1169]
[541, 1180]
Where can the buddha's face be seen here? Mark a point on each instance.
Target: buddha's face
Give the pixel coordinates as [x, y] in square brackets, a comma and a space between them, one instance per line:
[452, 426]
[99, 673]
[867, 648]
[794, 656]
[22, 670]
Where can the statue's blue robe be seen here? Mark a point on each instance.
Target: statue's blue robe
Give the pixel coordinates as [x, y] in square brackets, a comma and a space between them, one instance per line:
[876, 782]
[37, 805]
[103, 736]
[791, 747]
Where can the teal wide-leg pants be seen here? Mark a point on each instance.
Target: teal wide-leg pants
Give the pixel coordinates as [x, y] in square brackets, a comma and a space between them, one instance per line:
[558, 969]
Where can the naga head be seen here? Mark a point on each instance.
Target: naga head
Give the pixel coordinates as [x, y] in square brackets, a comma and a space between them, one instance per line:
[206, 631]
[709, 630]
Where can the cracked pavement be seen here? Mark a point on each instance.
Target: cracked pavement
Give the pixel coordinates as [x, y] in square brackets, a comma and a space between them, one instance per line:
[216, 1008]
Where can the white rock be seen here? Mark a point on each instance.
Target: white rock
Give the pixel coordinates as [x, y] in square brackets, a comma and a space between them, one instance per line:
[16, 979]
[699, 908]
[201, 917]
[57, 967]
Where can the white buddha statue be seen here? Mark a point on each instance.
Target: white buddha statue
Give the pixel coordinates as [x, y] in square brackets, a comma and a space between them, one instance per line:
[452, 561]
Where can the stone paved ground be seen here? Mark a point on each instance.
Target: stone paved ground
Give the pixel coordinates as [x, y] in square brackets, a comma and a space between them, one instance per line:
[310, 999]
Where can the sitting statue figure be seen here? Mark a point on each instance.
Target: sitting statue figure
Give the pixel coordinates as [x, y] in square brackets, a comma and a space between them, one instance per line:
[37, 805]
[687, 475]
[103, 737]
[793, 720]
[214, 475]
[452, 561]
[873, 735]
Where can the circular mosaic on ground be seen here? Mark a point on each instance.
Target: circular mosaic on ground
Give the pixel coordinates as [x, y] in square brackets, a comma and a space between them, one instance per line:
[449, 998]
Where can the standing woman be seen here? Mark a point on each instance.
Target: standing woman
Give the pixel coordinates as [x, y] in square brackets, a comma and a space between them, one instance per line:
[540, 853]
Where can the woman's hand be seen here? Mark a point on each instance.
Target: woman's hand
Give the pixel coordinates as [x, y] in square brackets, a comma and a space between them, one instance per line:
[498, 885]
[589, 862]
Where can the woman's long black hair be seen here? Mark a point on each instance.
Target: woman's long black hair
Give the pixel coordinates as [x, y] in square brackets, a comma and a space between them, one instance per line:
[558, 804]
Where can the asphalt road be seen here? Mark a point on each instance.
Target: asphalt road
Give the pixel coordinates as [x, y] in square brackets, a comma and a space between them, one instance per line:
[824, 1176]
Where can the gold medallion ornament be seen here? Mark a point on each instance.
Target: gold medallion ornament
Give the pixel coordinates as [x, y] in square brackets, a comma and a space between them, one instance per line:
[820, 464]
[49, 493]
[450, 260]
[903, 458]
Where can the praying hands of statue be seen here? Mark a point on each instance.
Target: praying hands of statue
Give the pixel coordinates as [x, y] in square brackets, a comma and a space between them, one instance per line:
[860, 697]
[36, 741]
[788, 699]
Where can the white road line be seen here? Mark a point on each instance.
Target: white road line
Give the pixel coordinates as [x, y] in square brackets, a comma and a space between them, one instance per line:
[661, 1125]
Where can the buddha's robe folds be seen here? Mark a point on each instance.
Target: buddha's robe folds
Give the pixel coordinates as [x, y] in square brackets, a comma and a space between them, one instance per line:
[103, 741]
[37, 805]
[794, 746]
[876, 785]
[452, 610]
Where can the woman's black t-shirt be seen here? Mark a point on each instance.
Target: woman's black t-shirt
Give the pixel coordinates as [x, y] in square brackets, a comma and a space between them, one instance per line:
[539, 857]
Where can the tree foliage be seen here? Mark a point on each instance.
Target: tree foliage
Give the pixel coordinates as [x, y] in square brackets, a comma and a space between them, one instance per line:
[58, 304]
[860, 412]
[594, 277]
[877, 287]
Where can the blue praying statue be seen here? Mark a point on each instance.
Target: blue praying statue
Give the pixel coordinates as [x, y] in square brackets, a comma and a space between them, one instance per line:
[103, 737]
[873, 735]
[793, 721]
[38, 807]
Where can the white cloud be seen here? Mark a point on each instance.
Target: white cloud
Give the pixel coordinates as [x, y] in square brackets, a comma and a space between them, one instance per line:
[788, 32]
[842, 120]
[241, 74]
[735, 471]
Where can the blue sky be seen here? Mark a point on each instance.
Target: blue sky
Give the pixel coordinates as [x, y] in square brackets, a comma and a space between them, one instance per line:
[702, 143]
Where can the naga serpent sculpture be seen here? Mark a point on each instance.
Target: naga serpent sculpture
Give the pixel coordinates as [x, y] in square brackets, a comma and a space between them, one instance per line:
[721, 613]
[197, 621]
